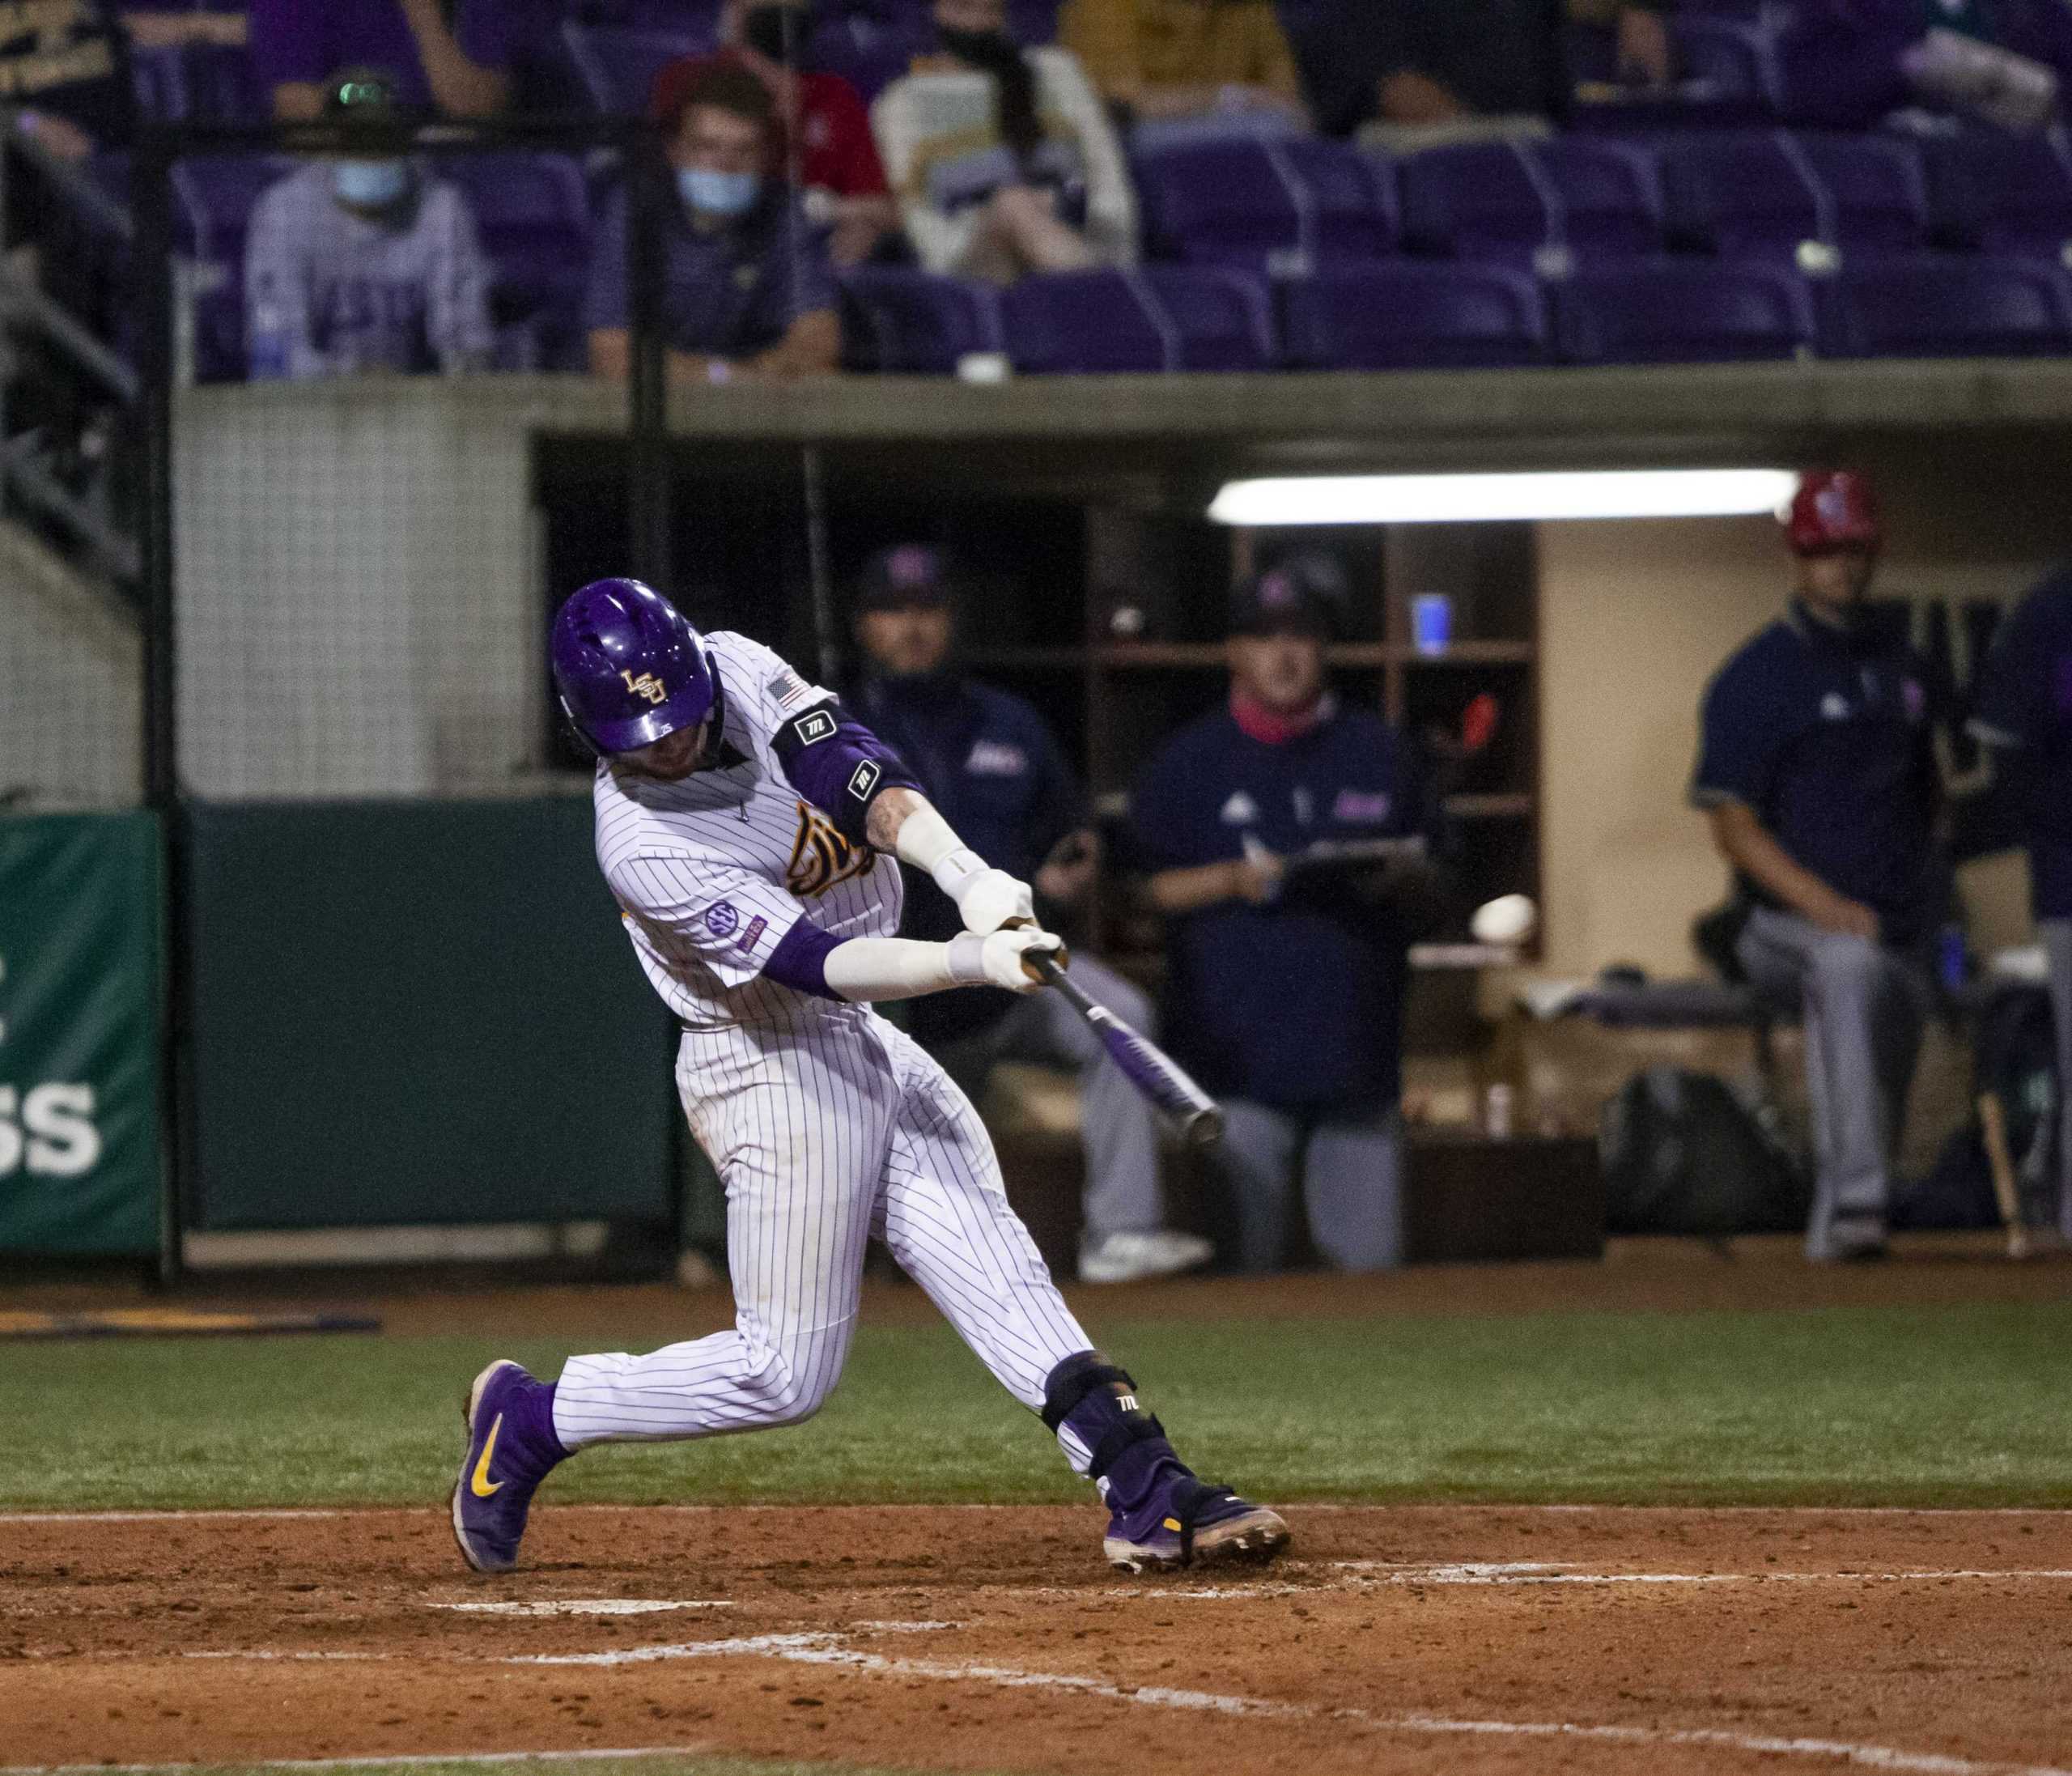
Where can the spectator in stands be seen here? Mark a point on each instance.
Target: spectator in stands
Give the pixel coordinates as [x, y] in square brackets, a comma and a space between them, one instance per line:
[2006, 61]
[1288, 976]
[1160, 59]
[1816, 766]
[747, 290]
[988, 760]
[1423, 63]
[64, 76]
[296, 43]
[365, 262]
[825, 124]
[997, 153]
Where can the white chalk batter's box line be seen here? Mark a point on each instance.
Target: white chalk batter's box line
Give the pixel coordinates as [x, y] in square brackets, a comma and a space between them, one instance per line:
[827, 1649]
[261, 1514]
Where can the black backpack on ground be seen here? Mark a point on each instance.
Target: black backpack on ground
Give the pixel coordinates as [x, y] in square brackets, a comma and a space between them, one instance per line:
[2013, 1056]
[1684, 1154]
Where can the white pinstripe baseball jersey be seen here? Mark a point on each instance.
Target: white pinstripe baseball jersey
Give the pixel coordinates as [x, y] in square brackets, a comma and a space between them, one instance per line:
[827, 1125]
[711, 872]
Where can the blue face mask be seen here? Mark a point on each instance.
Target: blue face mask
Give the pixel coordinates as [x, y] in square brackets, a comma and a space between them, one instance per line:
[719, 194]
[372, 185]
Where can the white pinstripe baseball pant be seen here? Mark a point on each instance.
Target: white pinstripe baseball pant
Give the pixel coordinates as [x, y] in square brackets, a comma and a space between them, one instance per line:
[829, 1131]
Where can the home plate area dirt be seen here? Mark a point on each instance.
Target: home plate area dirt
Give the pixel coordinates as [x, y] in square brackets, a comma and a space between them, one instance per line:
[1392, 1639]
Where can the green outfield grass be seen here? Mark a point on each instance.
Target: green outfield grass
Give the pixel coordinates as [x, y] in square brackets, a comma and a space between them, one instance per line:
[1956, 1405]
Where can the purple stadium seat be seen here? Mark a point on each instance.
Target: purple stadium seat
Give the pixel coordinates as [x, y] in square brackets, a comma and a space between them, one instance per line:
[911, 323]
[1222, 318]
[1033, 21]
[868, 52]
[1398, 315]
[1682, 312]
[535, 226]
[1760, 195]
[1878, 188]
[1727, 59]
[1517, 203]
[1265, 205]
[2002, 193]
[221, 84]
[618, 64]
[1955, 308]
[1171, 318]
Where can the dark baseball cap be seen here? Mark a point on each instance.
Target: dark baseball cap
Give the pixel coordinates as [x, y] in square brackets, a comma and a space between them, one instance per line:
[1302, 595]
[900, 579]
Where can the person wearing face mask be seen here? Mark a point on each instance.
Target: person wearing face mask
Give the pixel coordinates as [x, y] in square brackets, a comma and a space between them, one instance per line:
[826, 129]
[1817, 769]
[1003, 159]
[747, 292]
[364, 261]
[1287, 982]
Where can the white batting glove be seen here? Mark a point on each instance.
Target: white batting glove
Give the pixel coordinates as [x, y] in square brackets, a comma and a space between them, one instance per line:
[995, 960]
[992, 898]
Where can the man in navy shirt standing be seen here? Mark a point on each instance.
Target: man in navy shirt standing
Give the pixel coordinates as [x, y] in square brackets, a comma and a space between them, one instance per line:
[2024, 711]
[989, 762]
[1288, 986]
[747, 294]
[1816, 766]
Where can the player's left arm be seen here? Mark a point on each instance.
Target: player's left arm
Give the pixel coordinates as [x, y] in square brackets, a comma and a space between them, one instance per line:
[864, 787]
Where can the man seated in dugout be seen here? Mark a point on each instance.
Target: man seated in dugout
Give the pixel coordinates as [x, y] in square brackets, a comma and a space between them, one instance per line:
[747, 292]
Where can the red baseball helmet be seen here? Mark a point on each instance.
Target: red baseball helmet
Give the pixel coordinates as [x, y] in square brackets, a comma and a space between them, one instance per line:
[1834, 508]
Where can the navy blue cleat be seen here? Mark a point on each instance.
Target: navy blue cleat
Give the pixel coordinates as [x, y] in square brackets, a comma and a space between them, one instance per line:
[1185, 1523]
[512, 1448]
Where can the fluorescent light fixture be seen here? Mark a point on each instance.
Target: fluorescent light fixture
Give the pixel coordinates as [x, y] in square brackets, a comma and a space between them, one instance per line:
[1593, 493]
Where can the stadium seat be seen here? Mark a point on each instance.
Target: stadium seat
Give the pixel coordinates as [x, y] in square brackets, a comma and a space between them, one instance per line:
[1729, 60]
[1168, 318]
[535, 226]
[912, 323]
[1266, 206]
[1764, 195]
[869, 52]
[1948, 307]
[1545, 205]
[618, 64]
[1401, 315]
[1878, 189]
[2003, 193]
[1682, 312]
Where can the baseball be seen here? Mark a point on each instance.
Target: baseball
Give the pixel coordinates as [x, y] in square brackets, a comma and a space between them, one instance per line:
[1509, 919]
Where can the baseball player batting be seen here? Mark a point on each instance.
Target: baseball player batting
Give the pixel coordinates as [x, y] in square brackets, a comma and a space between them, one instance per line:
[741, 816]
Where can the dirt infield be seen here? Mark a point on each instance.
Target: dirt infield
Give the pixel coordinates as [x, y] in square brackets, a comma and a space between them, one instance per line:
[1407, 1639]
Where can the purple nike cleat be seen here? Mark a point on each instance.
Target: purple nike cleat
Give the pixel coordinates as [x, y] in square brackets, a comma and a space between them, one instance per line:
[512, 1448]
[1182, 1522]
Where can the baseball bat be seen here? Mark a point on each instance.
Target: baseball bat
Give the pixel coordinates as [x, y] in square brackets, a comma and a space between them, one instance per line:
[1992, 1126]
[1189, 1109]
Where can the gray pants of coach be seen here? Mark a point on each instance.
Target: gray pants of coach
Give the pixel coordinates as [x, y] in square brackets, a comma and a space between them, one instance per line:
[1352, 1175]
[1118, 1126]
[1864, 1008]
[2056, 935]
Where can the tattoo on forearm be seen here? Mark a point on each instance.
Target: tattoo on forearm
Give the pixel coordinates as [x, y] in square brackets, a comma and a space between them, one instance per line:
[887, 814]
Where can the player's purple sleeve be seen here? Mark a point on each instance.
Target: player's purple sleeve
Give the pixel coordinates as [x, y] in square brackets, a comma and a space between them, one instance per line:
[839, 766]
[799, 960]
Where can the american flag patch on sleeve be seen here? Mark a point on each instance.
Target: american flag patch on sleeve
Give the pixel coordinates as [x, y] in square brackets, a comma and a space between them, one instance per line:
[789, 689]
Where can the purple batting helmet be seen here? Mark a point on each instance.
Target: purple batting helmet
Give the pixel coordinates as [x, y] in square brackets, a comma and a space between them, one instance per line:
[629, 665]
